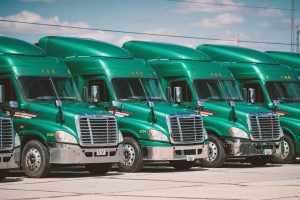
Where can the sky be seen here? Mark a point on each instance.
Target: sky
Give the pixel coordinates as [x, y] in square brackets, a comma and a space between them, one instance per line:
[154, 16]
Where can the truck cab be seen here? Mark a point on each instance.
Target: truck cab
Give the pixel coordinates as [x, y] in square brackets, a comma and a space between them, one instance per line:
[269, 84]
[210, 89]
[9, 139]
[54, 125]
[153, 128]
[287, 58]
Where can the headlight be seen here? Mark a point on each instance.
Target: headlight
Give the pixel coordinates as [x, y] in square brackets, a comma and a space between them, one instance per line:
[205, 135]
[17, 141]
[157, 135]
[120, 137]
[236, 132]
[281, 133]
[64, 137]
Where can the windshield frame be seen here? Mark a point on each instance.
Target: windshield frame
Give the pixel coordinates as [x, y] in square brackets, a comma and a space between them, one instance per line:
[225, 99]
[143, 88]
[281, 100]
[56, 97]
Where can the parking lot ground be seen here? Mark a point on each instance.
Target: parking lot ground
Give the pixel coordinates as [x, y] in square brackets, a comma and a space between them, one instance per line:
[234, 181]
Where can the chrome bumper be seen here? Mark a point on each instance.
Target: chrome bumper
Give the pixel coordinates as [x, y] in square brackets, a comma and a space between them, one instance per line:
[73, 154]
[175, 152]
[248, 148]
[10, 160]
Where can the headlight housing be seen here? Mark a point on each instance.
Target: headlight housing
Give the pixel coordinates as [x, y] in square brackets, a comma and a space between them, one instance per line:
[205, 135]
[238, 133]
[64, 137]
[17, 141]
[120, 137]
[157, 135]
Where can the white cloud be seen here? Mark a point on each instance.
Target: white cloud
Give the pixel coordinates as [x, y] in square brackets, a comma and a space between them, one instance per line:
[28, 16]
[220, 20]
[44, 1]
[185, 7]
[264, 25]
[271, 13]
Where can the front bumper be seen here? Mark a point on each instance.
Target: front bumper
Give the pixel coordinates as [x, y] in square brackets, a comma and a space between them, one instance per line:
[250, 148]
[175, 152]
[73, 154]
[10, 160]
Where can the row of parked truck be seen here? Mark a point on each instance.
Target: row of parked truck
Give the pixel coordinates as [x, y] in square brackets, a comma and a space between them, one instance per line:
[72, 101]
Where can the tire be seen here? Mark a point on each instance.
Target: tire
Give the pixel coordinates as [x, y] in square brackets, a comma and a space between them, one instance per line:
[98, 169]
[259, 161]
[182, 164]
[216, 153]
[288, 155]
[36, 160]
[3, 174]
[133, 161]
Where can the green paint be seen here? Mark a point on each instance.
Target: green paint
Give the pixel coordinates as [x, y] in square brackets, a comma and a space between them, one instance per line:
[262, 70]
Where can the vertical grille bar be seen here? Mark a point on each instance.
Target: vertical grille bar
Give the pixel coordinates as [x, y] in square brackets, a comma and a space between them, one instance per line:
[6, 134]
[186, 129]
[98, 130]
[264, 127]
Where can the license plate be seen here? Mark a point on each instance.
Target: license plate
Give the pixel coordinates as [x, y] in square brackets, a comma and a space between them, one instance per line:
[190, 158]
[101, 152]
[268, 151]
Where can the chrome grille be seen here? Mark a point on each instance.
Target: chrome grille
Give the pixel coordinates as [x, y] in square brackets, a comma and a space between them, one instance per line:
[98, 130]
[264, 127]
[6, 134]
[186, 128]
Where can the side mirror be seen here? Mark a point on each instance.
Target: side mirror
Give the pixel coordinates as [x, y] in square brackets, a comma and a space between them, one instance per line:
[169, 94]
[13, 104]
[200, 103]
[245, 94]
[178, 94]
[95, 93]
[58, 103]
[151, 104]
[2, 99]
[231, 103]
[85, 94]
[251, 95]
[276, 104]
[116, 104]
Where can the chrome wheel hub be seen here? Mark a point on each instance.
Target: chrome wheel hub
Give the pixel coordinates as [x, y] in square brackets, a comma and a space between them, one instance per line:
[286, 151]
[33, 160]
[212, 152]
[129, 154]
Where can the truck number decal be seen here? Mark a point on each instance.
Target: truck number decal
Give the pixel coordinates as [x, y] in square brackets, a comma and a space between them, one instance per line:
[142, 131]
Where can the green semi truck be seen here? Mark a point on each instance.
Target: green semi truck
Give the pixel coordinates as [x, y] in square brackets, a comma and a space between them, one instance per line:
[54, 125]
[287, 58]
[9, 139]
[232, 124]
[270, 84]
[153, 128]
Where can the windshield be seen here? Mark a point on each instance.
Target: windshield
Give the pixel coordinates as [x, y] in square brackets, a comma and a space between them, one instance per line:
[41, 88]
[138, 89]
[284, 91]
[217, 90]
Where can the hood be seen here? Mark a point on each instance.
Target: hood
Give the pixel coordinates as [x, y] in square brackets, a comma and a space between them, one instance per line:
[289, 110]
[142, 111]
[49, 112]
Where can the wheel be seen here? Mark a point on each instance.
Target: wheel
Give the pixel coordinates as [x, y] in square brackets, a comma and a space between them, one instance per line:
[35, 160]
[288, 155]
[181, 164]
[98, 169]
[3, 174]
[216, 153]
[133, 161]
[259, 161]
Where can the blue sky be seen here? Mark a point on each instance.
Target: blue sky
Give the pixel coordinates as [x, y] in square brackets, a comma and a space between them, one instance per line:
[153, 16]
